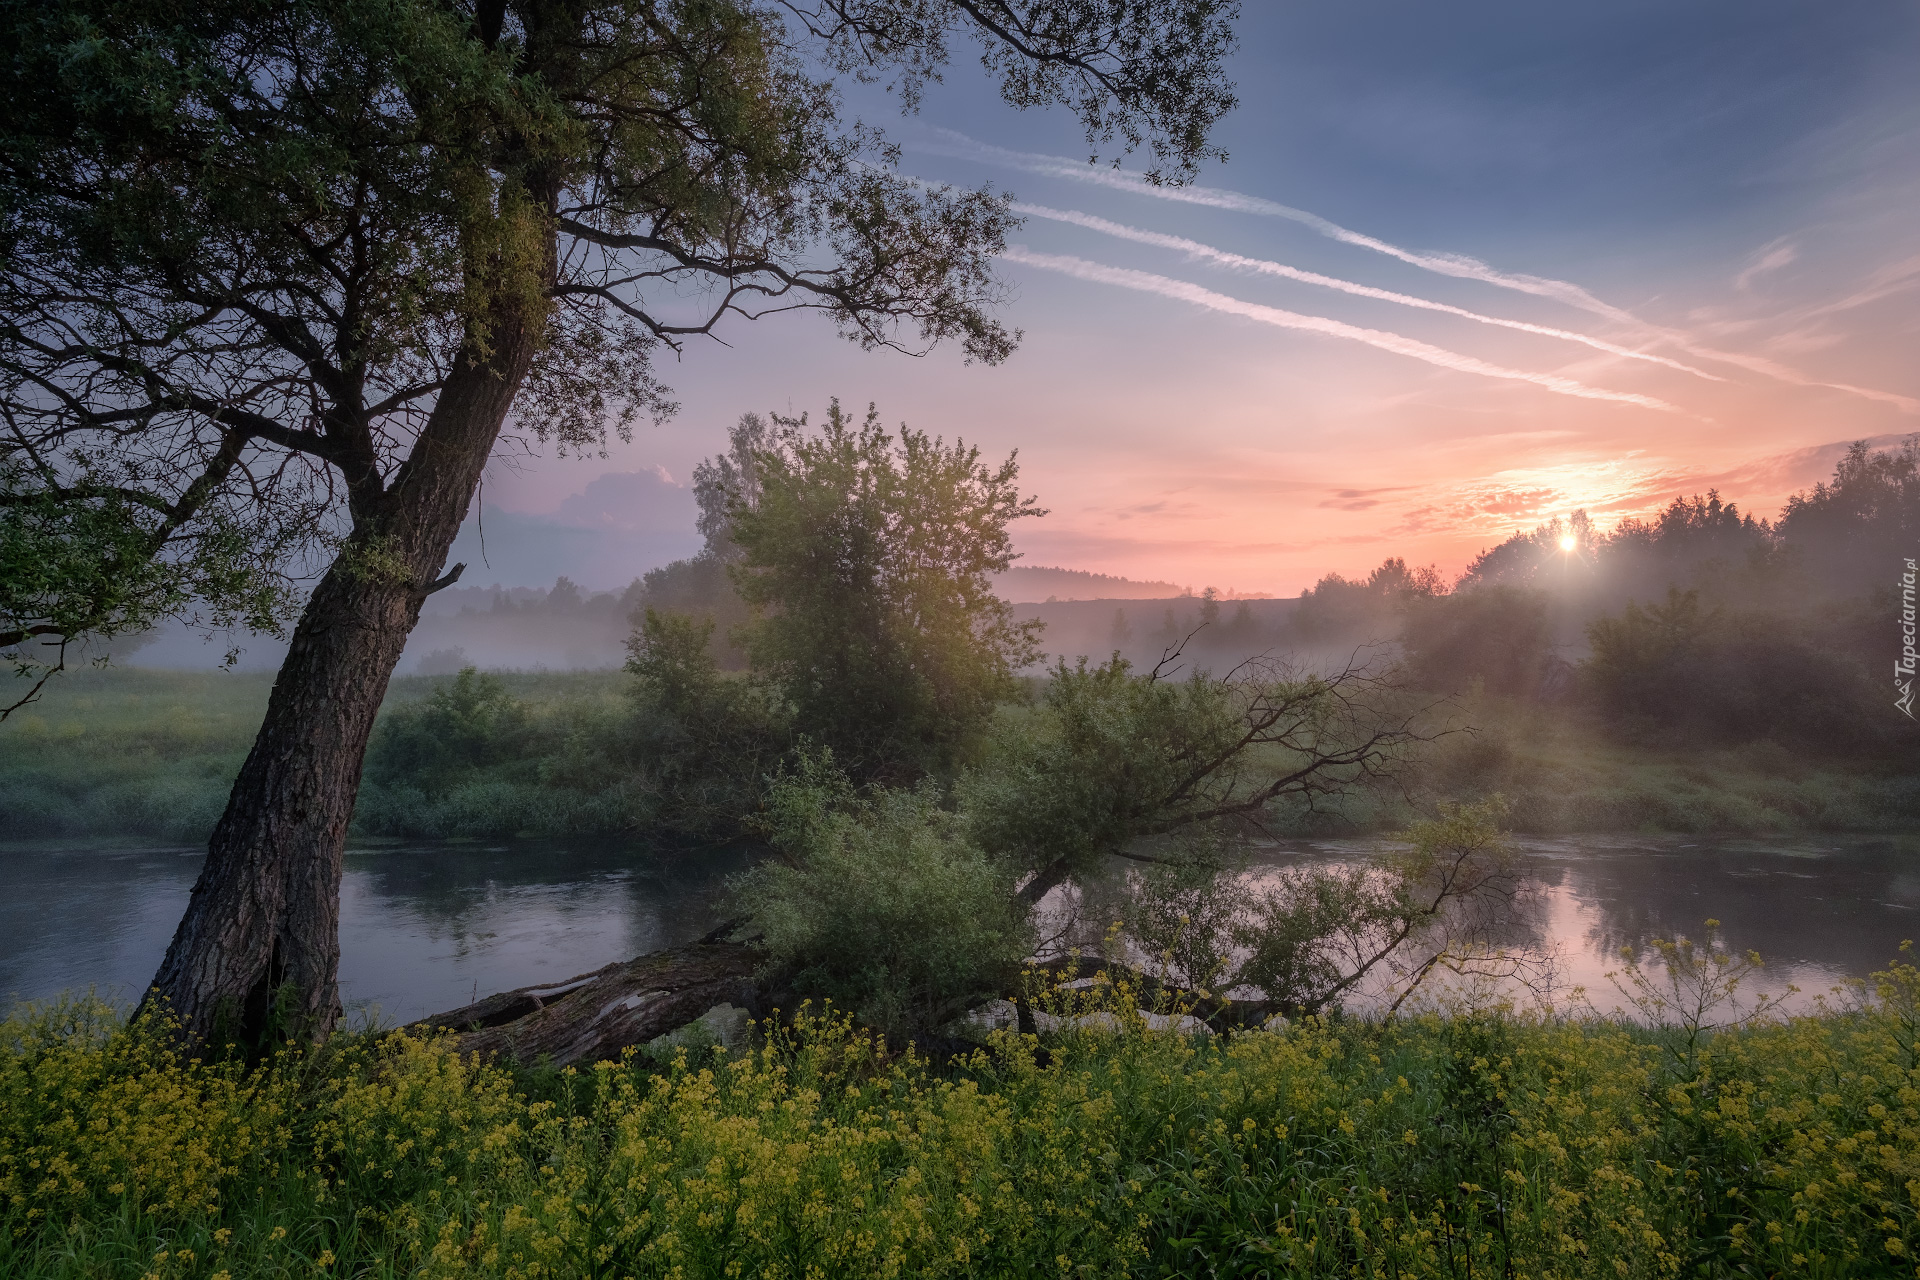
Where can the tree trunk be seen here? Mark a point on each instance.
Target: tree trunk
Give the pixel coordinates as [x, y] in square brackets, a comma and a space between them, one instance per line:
[1044, 881]
[258, 951]
[596, 1015]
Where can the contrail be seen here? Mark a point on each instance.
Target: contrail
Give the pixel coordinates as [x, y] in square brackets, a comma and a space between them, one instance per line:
[1267, 267]
[1448, 264]
[1167, 287]
[952, 143]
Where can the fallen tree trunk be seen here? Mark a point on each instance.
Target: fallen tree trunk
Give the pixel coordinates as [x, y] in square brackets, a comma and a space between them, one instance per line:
[596, 1015]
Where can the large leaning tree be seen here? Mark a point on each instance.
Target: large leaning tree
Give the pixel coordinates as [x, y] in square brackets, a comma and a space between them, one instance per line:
[279, 273]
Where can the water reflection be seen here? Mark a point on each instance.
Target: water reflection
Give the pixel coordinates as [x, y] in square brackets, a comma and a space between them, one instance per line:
[1817, 910]
[426, 927]
[423, 927]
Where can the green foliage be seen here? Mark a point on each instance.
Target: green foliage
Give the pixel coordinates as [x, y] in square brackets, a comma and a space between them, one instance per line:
[1427, 1148]
[1111, 756]
[1568, 768]
[870, 565]
[131, 206]
[1641, 658]
[1309, 936]
[707, 740]
[278, 273]
[1339, 610]
[132, 752]
[502, 755]
[1498, 636]
[882, 906]
[698, 587]
[1714, 674]
[87, 561]
[128, 752]
[466, 726]
[1319, 931]
[1180, 911]
[1096, 765]
[1691, 987]
[1852, 530]
[671, 656]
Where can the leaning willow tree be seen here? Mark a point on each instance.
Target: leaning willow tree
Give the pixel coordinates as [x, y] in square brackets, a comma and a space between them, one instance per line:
[280, 272]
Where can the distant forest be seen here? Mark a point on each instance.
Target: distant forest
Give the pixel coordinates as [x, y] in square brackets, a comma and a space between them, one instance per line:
[1735, 622]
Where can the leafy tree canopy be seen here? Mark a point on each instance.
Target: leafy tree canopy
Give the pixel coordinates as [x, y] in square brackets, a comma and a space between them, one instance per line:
[1115, 756]
[1859, 527]
[276, 269]
[870, 560]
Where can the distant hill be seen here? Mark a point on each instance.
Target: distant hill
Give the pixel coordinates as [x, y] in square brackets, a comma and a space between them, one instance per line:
[1033, 584]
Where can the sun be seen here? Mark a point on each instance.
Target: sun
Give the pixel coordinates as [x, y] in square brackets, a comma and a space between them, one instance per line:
[1568, 542]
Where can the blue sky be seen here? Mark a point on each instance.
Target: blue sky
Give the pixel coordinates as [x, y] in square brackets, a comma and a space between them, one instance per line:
[1467, 267]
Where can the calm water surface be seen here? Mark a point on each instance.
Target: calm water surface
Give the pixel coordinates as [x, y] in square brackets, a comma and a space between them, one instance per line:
[426, 927]
[423, 927]
[1817, 909]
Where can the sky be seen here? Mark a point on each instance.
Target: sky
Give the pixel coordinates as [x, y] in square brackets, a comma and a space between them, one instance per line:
[1466, 267]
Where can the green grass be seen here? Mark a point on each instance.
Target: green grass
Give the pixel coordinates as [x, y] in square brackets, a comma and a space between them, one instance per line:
[1563, 772]
[127, 752]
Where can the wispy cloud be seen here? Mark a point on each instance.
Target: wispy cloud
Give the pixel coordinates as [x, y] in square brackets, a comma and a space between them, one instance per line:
[1265, 266]
[1359, 499]
[947, 142]
[1894, 277]
[1184, 291]
[1780, 253]
[1509, 501]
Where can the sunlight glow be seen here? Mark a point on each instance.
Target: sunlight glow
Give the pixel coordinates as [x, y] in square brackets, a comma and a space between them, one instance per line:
[1568, 542]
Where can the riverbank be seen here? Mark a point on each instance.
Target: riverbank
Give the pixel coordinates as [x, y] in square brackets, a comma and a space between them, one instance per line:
[152, 754]
[1434, 1146]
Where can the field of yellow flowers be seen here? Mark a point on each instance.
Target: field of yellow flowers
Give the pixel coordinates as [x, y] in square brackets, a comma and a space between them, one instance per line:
[1478, 1144]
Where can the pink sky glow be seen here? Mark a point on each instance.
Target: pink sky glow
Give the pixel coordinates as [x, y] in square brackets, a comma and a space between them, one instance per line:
[1463, 272]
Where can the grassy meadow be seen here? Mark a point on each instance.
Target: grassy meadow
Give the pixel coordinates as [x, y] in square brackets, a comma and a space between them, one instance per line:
[130, 752]
[134, 752]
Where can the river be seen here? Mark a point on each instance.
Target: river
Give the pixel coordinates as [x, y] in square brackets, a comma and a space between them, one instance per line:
[426, 927]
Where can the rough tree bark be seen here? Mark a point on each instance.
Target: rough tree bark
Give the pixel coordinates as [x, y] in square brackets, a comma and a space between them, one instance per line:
[596, 1015]
[259, 946]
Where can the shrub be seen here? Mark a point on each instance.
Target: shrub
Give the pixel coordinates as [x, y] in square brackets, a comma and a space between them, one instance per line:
[705, 740]
[869, 566]
[1726, 677]
[1496, 636]
[468, 724]
[882, 905]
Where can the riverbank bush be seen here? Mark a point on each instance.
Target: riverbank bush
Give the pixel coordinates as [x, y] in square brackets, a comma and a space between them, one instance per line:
[879, 902]
[1478, 1143]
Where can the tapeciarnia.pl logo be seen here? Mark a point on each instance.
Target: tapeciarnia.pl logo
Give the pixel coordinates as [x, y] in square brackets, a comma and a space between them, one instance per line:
[1903, 666]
